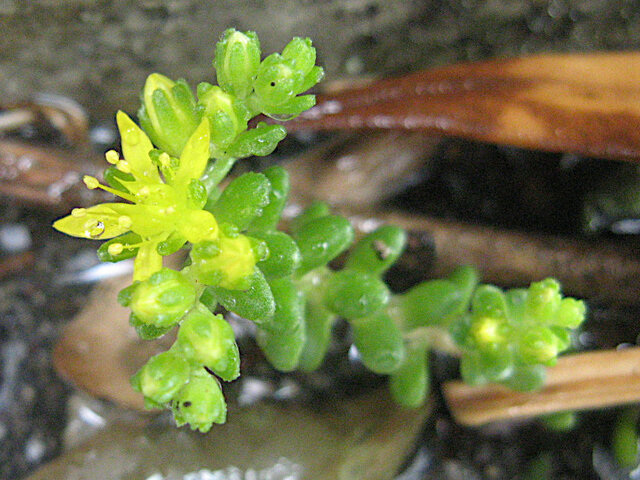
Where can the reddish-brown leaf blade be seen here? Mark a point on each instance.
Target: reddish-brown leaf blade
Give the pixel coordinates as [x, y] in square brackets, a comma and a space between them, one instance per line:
[587, 104]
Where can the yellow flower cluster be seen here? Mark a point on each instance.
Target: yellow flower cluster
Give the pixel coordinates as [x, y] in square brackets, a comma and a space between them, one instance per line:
[164, 201]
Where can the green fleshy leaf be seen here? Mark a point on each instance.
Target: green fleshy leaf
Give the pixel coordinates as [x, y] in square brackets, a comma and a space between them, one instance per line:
[243, 200]
[259, 141]
[312, 212]
[410, 383]
[284, 255]
[283, 340]
[321, 240]
[255, 303]
[352, 294]
[377, 251]
[319, 322]
[379, 342]
[270, 216]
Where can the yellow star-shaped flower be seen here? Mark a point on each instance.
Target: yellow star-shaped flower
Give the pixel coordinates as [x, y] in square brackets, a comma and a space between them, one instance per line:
[166, 198]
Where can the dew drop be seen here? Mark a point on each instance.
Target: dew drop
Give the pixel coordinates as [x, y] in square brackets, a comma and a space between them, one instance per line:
[94, 228]
[125, 221]
[79, 212]
[123, 166]
[131, 136]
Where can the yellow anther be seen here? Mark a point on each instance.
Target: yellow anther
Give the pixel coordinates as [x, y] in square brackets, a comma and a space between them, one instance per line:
[123, 166]
[91, 182]
[125, 221]
[78, 212]
[112, 157]
[115, 249]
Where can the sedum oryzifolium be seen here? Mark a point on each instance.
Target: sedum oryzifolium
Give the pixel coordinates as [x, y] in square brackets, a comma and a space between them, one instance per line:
[169, 177]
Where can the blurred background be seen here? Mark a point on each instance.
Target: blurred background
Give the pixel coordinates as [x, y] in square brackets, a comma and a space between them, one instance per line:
[99, 52]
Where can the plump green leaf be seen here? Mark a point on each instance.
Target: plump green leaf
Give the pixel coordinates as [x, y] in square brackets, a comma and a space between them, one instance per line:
[319, 322]
[435, 302]
[378, 250]
[379, 342]
[255, 303]
[353, 294]
[270, 216]
[322, 239]
[282, 341]
[243, 200]
[259, 141]
[410, 383]
[284, 255]
[312, 212]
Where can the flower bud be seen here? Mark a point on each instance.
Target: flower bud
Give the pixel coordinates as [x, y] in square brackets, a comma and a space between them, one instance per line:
[226, 117]
[168, 113]
[162, 377]
[236, 61]
[200, 402]
[209, 340]
[539, 345]
[278, 81]
[163, 299]
[303, 55]
[227, 262]
[543, 301]
[571, 313]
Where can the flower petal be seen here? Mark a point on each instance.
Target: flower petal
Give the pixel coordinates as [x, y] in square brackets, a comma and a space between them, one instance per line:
[145, 220]
[147, 262]
[135, 149]
[194, 157]
[98, 222]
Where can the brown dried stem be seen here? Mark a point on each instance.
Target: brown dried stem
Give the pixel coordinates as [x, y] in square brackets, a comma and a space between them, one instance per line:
[583, 381]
